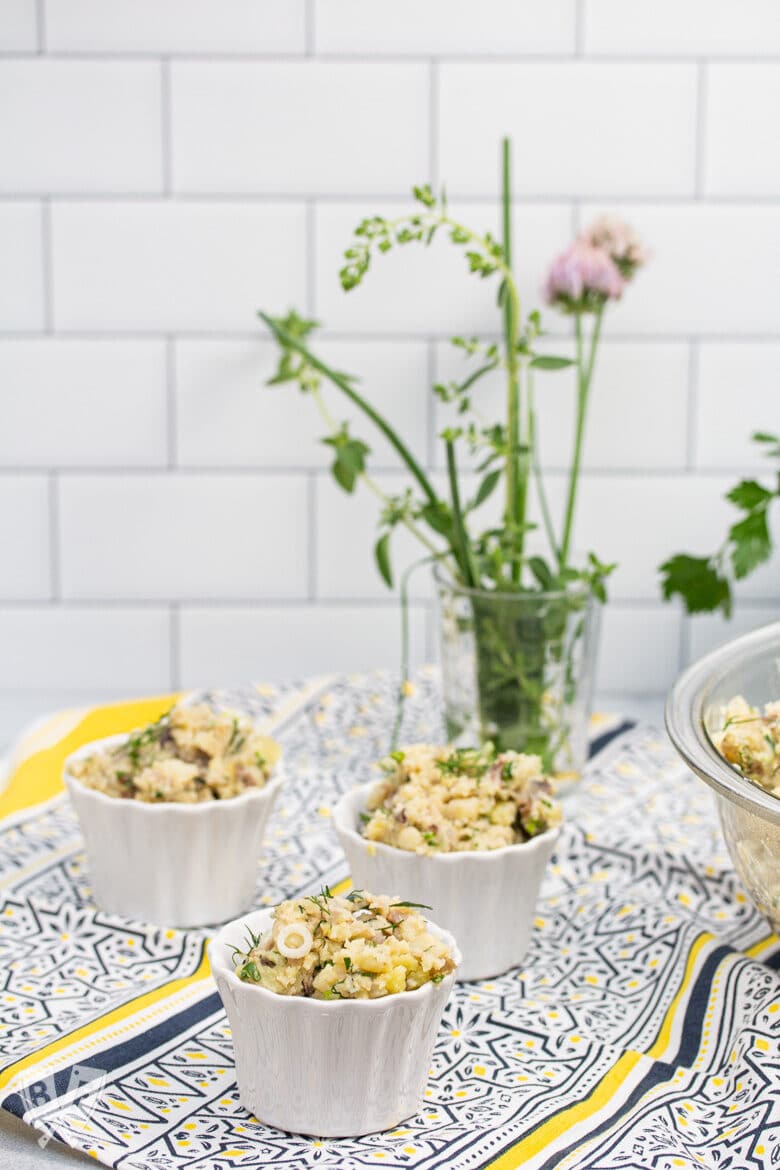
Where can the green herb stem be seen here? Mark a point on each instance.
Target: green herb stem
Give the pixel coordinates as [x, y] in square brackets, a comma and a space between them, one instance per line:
[290, 342]
[533, 443]
[461, 542]
[584, 378]
[371, 483]
[516, 474]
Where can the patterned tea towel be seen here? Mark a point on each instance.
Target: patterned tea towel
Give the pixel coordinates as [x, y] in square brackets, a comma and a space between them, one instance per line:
[642, 1031]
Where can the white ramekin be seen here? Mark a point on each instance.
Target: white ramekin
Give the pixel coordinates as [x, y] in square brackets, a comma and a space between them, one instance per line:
[337, 1068]
[171, 864]
[486, 898]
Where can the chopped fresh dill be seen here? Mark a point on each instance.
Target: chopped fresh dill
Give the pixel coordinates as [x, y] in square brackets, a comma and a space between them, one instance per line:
[237, 740]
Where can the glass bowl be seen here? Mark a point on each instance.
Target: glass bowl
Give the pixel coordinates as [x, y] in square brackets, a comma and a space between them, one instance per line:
[750, 817]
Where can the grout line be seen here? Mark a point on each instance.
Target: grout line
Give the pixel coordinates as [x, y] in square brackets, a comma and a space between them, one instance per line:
[579, 28]
[700, 158]
[433, 125]
[311, 492]
[166, 125]
[417, 601]
[54, 537]
[431, 412]
[311, 259]
[40, 20]
[405, 336]
[174, 645]
[692, 411]
[47, 274]
[388, 471]
[685, 641]
[163, 605]
[370, 56]
[171, 404]
[310, 29]
[282, 199]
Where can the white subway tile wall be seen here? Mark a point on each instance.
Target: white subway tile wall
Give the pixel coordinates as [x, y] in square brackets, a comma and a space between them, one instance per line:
[167, 519]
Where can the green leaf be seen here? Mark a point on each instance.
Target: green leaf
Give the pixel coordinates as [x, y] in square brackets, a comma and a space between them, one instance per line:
[751, 543]
[749, 494]
[548, 362]
[382, 558]
[424, 195]
[697, 581]
[486, 488]
[344, 476]
[438, 517]
[765, 437]
[541, 570]
[353, 453]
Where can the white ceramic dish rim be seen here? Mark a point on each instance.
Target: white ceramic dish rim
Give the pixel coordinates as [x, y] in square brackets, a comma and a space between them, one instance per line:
[219, 943]
[342, 821]
[152, 808]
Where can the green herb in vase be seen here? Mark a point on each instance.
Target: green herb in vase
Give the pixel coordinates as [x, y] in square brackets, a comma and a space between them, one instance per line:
[518, 610]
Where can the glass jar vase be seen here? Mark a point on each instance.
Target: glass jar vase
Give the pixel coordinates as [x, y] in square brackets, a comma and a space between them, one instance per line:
[518, 669]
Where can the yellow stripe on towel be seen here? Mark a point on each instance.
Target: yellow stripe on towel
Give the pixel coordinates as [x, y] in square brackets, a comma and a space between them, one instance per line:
[36, 771]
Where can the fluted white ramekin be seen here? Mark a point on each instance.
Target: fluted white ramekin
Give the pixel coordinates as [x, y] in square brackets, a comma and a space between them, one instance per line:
[486, 898]
[171, 864]
[335, 1068]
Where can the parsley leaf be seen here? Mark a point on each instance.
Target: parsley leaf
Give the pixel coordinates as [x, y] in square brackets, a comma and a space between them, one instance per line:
[751, 543]
[698, 582]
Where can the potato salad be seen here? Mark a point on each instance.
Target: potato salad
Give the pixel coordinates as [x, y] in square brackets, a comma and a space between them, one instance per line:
[190, 755]
[750, 740]
[444, 799]
[361, 946]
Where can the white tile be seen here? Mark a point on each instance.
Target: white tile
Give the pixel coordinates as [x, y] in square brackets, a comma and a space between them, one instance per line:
[640, 649]
[696, 519]
[24, 537]
[711, 270]
[18, 26]
[764, 583]
[21, 273]
[421, 290]
[740, 145]
[347, 530]
[80, 126]
[701, 27]
[335, 128]
[708, 631]
[642, 708]
[737, 395]
[439, 27]
[185, 536]
[73, 648]
[641, 144]
[640, 521]
[227, 416]
[636, 414]
[177, 26]
[169, 266]
[220, 645]
[82, 403]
